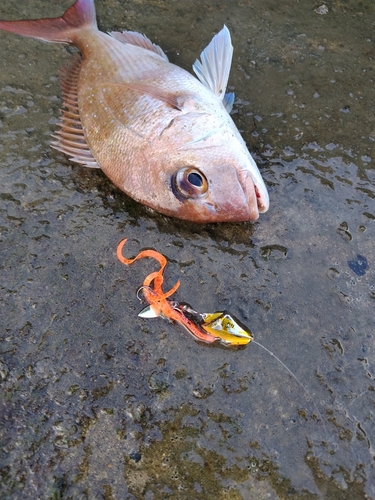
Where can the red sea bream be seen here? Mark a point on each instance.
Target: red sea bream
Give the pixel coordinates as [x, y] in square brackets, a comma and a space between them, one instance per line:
[161, 135]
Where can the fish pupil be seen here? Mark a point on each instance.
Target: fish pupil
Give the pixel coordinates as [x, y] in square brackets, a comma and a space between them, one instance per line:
[195, 179]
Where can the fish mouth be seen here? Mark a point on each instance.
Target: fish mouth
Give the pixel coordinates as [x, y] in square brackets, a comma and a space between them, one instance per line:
[242, 205]
[255, 193]
[263, 200]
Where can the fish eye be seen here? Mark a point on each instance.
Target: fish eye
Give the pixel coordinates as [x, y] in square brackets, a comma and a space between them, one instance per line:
[189, 182]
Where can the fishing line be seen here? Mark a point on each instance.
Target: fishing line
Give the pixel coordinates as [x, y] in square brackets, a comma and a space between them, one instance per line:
[298, 382]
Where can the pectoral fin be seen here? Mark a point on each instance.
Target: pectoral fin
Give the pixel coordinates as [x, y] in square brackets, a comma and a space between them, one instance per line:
[216, 59]
[228, 101]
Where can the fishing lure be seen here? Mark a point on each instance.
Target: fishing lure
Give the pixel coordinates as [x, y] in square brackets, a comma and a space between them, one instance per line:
[209, 328]
[157, 299]
[214, 327]
[221, 324]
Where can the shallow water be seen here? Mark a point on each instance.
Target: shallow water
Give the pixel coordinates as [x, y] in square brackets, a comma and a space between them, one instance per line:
[98, 403]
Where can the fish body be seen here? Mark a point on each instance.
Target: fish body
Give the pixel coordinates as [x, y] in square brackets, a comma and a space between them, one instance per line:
[161, 135]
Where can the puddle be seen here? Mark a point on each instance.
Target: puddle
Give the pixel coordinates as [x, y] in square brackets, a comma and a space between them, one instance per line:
[98, 403]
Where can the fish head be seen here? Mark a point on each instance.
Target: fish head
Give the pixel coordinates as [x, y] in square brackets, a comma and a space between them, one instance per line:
[218, 193]
[209, 178]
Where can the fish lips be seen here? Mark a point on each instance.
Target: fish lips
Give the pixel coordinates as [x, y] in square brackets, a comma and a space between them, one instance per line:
[255, 192]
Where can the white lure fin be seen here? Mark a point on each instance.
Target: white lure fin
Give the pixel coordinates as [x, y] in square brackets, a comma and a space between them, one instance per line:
[216, 59]
[148, 312]
[135, 38]
[70, 139]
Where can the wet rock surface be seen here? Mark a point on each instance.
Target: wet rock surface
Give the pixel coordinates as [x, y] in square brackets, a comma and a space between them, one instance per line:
[98, 403]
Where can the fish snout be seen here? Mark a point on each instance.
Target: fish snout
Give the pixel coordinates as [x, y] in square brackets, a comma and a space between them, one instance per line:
[255, 193]
[235, 200]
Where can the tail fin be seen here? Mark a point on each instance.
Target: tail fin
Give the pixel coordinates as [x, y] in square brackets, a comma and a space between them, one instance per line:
[58, 29]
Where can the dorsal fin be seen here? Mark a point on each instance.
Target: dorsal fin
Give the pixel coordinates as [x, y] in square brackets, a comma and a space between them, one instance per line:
[135, 38]
[216, 59]
[70, 139]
